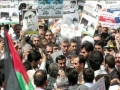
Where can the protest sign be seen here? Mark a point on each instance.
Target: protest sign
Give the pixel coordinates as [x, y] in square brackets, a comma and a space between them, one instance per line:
[80, 8]
[70, 20]
[90, 16]
[115, 9]
[30, 21]
[8, 13]
[99, 85]
[107, 19]
[50, 8]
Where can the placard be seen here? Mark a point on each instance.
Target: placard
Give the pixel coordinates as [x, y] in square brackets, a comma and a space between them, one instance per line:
[30, 21]
[70, 20]
[107, 19]
[50, 8]
[115, 9]
[90, 16]
[9, 13]
[99, 85]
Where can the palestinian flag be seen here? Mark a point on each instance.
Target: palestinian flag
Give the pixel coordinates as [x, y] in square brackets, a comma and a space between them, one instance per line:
[16, 77]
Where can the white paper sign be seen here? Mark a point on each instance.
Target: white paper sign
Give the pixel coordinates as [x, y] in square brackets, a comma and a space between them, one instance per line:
[99, 85]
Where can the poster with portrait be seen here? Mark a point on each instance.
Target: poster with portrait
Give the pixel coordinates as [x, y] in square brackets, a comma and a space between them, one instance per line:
[30, 21]
[115, 9]
[99, 85]
[70, 20]
[90, 16]
[8, 13]
[80, 8]
[50, 8]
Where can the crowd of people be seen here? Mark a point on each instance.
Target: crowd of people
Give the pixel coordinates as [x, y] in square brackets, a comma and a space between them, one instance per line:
[66, 64]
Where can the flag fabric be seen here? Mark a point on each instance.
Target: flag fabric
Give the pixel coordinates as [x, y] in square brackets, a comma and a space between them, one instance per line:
[16, 77]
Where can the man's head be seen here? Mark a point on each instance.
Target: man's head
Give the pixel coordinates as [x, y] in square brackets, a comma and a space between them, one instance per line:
[61, 61]
[17, 29]
[73, 46]
[42, 33]
[110, 49]
[34, 57]
[99, 45]
[49, 50]
[105, 29]
[26, 50]
[113, 32]
[95, 59]
[19, 47]
[64, 45]
[96, 37]
[73, 3]
[53, 70]
[109, 62]
[88, 75]
[118, 37]
[31, 20]
[62, 83]
[117, 60]
[40, 78]
[72, 75]
[55, 47]
[44, 41]
[36, 40]
[79, 63]
[49, 35]
[86, 49]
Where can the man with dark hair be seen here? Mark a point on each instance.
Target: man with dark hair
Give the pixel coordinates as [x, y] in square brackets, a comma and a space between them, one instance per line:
[78, 64]
[40, 79]
[17, 29]
[72, 75]
[86, 49]
[73, 46]
[95, 59]
[99, 45]
[49, 36]
[49, 50]
[96, 37]
[110, 66]
[55, 47]
[117, 60]
[27, 65]
[34, 57]
[88, 75]
[61, 61]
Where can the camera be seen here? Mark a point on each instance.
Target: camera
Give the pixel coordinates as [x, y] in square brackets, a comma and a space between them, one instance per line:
[110, 37]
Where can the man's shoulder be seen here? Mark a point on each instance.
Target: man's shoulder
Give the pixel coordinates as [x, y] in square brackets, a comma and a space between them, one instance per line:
[83, 87]
[57, 53]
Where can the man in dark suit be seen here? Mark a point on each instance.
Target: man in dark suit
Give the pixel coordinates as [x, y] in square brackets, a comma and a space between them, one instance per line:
[110, 66]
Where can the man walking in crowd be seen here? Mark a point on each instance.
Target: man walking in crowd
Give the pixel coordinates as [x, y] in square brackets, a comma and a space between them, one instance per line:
[51, 65]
